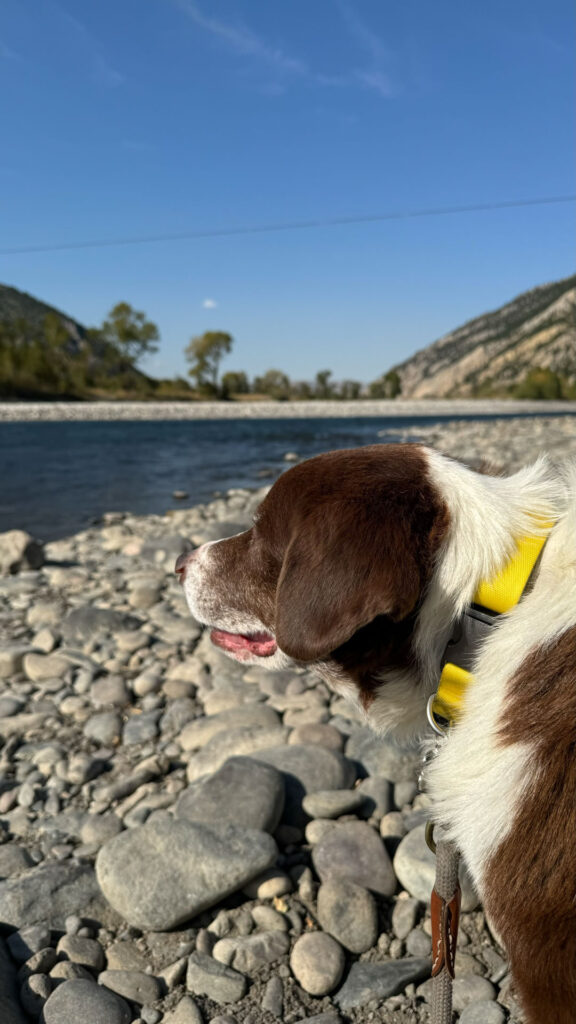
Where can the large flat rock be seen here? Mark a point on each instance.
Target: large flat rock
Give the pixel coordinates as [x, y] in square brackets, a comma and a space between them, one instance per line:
[368, 981]
[50, 893]
[169, 870]
[242, 792]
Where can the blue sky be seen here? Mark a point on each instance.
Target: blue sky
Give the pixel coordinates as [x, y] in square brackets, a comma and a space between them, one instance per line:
[125, 118]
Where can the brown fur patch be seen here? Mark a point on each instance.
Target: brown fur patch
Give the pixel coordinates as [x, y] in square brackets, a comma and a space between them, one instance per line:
[531, 878]
[339, 557]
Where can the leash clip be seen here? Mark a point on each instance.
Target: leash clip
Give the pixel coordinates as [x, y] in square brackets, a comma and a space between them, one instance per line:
[439, 724]
[445, 917]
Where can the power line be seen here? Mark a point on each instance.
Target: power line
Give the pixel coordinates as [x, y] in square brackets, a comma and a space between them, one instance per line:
[260, 229]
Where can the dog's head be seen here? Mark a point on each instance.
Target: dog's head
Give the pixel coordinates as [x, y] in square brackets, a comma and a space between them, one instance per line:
[333, 569]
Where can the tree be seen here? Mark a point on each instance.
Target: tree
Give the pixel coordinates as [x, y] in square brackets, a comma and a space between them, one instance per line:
[322, 385]
[274, 383]
[540, 382]
[129, 332]
[235, 382]
[350, 390]
[387, 386]
[205, 354]
[301, 390]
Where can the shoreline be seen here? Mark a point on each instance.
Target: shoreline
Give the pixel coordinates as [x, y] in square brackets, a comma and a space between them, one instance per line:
[30, 412]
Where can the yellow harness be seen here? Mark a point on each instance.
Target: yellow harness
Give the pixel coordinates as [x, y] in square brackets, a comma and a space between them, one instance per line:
[493, 598]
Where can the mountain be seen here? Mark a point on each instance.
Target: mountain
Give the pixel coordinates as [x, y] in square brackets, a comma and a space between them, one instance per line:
[493, 354]
[16, 305]
[44, 353]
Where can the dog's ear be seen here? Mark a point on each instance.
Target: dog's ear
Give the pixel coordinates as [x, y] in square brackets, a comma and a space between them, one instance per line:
[340, 572]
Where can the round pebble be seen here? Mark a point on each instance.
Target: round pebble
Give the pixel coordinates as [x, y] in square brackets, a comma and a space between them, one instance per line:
[482, 1012]
[317, 962]
[471, 988]
[80, 1000]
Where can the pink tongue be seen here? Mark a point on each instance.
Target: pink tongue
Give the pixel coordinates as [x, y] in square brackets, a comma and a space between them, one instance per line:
[261, 644]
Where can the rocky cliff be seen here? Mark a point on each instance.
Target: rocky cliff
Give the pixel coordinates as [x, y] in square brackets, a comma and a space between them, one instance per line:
[492, 354]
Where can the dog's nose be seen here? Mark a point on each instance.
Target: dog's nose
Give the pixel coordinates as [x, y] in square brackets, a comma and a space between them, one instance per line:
[182, 564]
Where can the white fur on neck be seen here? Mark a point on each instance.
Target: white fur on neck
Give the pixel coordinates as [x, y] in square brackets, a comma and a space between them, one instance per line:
[476, 783]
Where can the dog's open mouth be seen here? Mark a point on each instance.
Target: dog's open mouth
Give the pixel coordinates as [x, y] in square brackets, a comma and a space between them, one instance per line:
[241, 646]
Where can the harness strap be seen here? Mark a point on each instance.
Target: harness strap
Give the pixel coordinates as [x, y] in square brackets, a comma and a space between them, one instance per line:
[493, 598]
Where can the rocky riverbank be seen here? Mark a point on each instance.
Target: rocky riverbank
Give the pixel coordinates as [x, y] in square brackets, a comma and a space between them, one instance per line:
[16, 412]
[186, 840]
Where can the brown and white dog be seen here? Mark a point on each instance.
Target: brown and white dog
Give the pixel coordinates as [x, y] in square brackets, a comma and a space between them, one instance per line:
[360, 562]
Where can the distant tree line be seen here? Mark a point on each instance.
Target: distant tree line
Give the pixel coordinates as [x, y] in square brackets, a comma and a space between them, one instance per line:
[50, 360]
[205, 353]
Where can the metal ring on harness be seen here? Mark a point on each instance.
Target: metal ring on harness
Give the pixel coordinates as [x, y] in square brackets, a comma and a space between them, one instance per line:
[437, 722]
[429, 836]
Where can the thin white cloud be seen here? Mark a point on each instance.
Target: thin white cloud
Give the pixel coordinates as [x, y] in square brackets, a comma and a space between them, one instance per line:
[377, 81]
[102, 70]
[365, 36]
[210, 304]
[376, 77]
[243, 41]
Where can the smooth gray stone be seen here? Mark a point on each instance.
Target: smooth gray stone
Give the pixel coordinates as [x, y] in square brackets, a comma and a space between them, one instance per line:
[84, 622]
[14, 860]
[348, 913]
[380, 755]
[10, 1011]
[10, 706]
[79, 1000]
[332, 803]
[169, 870]
[470, 988]
[104, 728]
[353, 851]
[483, 1012]
[273, 998]
[19, 551]
[244, 741]
[185, 1012]
[201, 731]
[109, 690]
[317, 962]
[367, 981]
[307, 770]
[34, 992]
[242, 792]
[415, 868]
[378, 795]
[24, 943]
[247, 953]
[208, 977]
[180, 711]
[97, 828]
[404, 917]
[49, 893]
[81, 950]
[418, 943]
[136, 986]
[141, 728]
